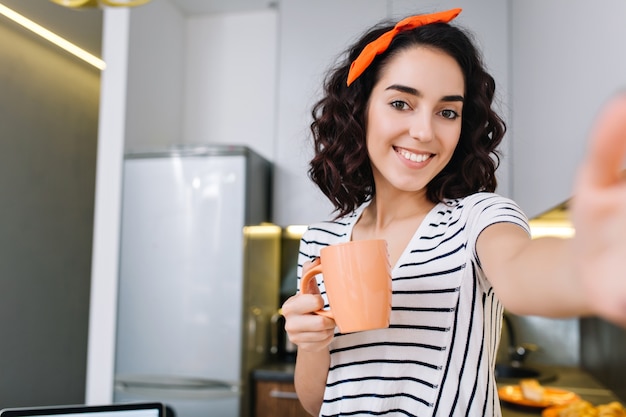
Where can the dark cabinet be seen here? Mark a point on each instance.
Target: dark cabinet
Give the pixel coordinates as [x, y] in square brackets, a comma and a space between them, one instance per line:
[277, 399]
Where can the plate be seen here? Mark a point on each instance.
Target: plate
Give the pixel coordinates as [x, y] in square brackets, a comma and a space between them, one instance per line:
[552, 411]
[552, 396]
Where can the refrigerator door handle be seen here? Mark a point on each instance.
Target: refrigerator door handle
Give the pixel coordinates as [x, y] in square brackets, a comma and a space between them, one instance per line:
[256, 323]
[177, 387]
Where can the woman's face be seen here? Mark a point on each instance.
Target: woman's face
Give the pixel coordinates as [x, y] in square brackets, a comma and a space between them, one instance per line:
[414, 118]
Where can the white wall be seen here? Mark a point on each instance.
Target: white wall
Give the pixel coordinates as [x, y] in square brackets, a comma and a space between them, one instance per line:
[105, 252]
[156, 74]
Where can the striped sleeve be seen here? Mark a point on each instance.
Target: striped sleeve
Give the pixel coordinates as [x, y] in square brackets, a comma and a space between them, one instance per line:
[486, 209]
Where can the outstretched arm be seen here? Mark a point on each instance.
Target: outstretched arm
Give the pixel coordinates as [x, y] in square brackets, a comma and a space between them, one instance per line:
[579, 276]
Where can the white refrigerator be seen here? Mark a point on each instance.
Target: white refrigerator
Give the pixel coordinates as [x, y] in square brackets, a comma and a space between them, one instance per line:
[198, 279]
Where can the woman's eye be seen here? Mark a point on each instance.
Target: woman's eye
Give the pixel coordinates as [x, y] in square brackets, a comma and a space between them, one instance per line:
[399, 105]
[449, 114]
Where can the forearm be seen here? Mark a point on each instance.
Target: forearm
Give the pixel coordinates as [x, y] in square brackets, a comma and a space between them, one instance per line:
[310, 379]
[539, 277]
[543, 280]
[537, 280]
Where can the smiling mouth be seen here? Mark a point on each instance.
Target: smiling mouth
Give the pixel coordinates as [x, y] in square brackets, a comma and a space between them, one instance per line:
[414, 157]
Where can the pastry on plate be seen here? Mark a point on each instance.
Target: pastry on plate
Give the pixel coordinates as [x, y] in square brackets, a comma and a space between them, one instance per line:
[532, 390]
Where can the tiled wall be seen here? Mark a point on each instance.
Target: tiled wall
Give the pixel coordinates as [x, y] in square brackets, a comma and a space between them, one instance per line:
[557, 340]
[603, 353]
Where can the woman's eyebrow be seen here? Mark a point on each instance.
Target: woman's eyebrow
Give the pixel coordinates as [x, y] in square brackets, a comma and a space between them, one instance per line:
[453, 98]
[404, 89]
[417, 93]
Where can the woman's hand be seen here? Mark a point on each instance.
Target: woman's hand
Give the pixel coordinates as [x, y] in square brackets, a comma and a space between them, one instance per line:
[599, 215]
[310, 332]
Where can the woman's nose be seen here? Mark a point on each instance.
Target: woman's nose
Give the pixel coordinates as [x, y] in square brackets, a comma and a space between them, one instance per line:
[421, 127]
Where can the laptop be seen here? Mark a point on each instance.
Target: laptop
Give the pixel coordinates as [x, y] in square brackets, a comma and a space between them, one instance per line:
[113, 410]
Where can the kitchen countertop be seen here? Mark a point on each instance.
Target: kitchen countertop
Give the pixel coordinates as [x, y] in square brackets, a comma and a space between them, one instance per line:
[567, 378]
[274, 371]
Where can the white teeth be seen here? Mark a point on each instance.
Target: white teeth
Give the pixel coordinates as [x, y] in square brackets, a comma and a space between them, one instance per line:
[413, 156]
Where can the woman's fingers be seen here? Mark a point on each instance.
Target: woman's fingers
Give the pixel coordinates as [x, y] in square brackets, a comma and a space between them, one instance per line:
[607, 147]
[307, 330]
[310, 332]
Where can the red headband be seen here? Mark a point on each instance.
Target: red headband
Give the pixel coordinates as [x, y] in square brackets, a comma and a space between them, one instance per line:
[381, 44]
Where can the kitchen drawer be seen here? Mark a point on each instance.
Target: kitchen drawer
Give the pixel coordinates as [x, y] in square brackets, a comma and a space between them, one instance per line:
[277, 398]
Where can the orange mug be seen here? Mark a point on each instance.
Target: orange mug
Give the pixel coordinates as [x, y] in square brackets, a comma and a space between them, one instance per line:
[357, 278]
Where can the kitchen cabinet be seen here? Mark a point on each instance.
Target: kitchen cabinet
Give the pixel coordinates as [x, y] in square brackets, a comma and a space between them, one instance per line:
[275, 394]
[277, 398]
[561, 76]
[306, 51]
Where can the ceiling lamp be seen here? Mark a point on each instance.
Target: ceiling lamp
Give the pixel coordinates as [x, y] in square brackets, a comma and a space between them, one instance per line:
[95, 3]
[51, 36]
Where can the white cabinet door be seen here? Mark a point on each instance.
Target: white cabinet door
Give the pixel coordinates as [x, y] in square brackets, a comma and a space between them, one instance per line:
[567, 59]
[312, 35]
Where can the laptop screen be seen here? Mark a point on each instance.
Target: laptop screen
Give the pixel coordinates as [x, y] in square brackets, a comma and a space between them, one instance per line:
[113, 410]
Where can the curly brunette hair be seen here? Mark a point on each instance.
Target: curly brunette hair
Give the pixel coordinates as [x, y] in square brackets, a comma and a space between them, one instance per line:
[341, 167]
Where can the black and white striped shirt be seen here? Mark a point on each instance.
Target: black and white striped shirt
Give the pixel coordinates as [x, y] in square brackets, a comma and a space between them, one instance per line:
[438, 354]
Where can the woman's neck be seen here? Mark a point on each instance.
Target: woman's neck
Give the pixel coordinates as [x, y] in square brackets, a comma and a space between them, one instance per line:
[395, 220]
[388, 208]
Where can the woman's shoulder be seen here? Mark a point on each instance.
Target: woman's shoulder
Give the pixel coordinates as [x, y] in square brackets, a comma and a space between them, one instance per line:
[486, 205]
[486, 208]
[330, 231]
[480, 199]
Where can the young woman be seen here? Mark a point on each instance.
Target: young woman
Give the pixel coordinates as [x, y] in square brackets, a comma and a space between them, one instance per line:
[406, 149]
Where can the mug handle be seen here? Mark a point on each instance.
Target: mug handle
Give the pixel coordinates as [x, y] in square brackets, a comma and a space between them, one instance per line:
[316, 268]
